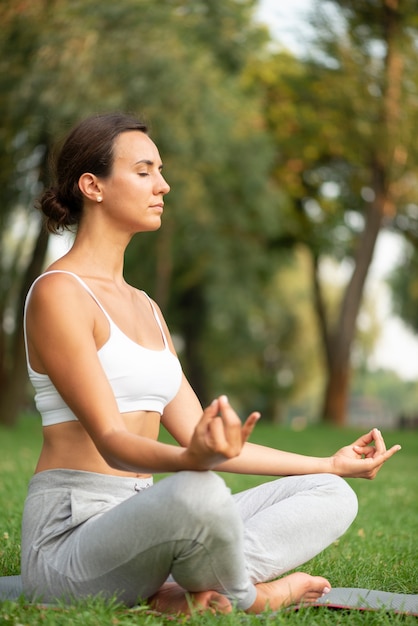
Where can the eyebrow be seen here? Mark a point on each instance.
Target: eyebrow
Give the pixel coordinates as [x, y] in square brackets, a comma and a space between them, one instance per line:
[148, 162]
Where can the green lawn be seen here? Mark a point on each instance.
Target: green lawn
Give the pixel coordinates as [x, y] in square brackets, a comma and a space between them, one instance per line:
[379, 551]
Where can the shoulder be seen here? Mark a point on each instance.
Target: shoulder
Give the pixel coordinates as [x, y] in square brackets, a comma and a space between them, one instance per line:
[56, 294]
[50, 285]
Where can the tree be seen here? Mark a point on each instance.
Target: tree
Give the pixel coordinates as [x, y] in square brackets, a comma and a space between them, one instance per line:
[341, 121]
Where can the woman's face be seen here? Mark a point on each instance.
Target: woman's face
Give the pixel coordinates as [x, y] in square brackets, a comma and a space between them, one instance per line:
[133, 193]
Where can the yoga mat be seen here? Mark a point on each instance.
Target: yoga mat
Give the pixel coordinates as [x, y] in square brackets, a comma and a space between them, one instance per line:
[10, 587]
[369, 599]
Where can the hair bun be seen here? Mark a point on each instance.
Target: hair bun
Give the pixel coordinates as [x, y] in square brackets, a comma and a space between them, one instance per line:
[56, 213]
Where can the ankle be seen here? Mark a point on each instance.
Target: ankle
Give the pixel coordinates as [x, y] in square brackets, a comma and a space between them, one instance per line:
[261, 602]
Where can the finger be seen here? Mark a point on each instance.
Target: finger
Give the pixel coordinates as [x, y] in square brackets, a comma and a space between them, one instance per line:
[374, 436]
[364, 440]
[233, 423]
[249, 425]
[217, 439]
[209, 413]
[373, 465]
[236, 432]
[389, 453]
[208, 416]
[228, 415]
[225, 441]
[213, 408]
[365, 451]
[379, 449]
[379, 442]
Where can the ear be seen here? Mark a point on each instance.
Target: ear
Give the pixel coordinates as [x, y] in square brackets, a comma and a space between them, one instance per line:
[89, 186]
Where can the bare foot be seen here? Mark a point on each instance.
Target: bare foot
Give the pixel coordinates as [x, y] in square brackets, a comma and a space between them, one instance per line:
[173, 599]
[296, 588]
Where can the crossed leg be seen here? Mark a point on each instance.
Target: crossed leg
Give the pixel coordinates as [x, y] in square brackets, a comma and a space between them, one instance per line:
[286, 523]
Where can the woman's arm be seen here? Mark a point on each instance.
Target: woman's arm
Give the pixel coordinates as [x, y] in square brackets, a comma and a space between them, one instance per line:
[361, 459]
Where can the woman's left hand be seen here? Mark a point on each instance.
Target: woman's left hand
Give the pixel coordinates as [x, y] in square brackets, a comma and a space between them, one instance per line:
[362, 459]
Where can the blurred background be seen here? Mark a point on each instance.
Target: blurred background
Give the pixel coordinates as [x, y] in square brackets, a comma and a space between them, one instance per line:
[287, 261]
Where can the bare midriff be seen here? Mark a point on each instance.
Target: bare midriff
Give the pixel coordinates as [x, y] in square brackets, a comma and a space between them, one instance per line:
[68, 445]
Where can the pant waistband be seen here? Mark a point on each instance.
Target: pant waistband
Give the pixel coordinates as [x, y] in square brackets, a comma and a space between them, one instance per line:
[89, 481]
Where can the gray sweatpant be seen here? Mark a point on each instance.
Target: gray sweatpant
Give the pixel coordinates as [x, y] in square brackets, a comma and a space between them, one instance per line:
[88, 534]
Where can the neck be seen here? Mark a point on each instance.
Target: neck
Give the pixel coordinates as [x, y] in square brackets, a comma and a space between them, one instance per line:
[97, 256]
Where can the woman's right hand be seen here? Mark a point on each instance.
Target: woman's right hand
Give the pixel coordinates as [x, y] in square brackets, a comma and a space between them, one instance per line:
[218, 436]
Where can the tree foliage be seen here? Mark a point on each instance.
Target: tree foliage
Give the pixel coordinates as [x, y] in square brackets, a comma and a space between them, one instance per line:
[179, 65]
[341, 119]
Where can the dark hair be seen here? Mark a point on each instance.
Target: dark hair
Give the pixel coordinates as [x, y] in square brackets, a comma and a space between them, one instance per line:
[88, 148]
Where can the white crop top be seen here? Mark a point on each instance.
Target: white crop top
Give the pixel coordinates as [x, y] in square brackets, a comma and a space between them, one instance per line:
[142, 379]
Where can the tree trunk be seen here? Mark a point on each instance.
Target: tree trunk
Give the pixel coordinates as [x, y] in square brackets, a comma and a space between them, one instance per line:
[338, 344]
[13, 396]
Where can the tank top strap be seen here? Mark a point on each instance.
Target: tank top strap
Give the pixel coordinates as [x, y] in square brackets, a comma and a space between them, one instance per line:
[80, 281]
[157, 318]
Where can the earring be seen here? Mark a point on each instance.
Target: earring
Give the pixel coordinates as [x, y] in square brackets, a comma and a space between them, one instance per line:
[99, 199]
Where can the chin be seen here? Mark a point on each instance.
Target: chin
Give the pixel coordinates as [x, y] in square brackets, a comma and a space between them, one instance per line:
[148, 228]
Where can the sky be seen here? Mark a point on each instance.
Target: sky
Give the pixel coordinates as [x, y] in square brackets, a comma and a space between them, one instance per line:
[286, 20]
[397, 348]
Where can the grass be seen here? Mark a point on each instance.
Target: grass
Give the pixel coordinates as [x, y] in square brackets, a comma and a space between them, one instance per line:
[378, 552]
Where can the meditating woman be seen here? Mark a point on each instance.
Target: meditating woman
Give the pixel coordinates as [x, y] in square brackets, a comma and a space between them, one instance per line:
[106, 374]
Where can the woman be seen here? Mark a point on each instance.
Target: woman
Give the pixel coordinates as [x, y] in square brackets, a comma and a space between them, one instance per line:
[106, 374]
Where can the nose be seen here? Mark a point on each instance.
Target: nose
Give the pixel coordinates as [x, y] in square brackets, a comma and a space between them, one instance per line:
[164, 187]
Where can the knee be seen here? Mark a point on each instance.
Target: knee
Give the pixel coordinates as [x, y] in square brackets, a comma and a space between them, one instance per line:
[204, 499]
[348, 497]
[344, 500]
[204, 491]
